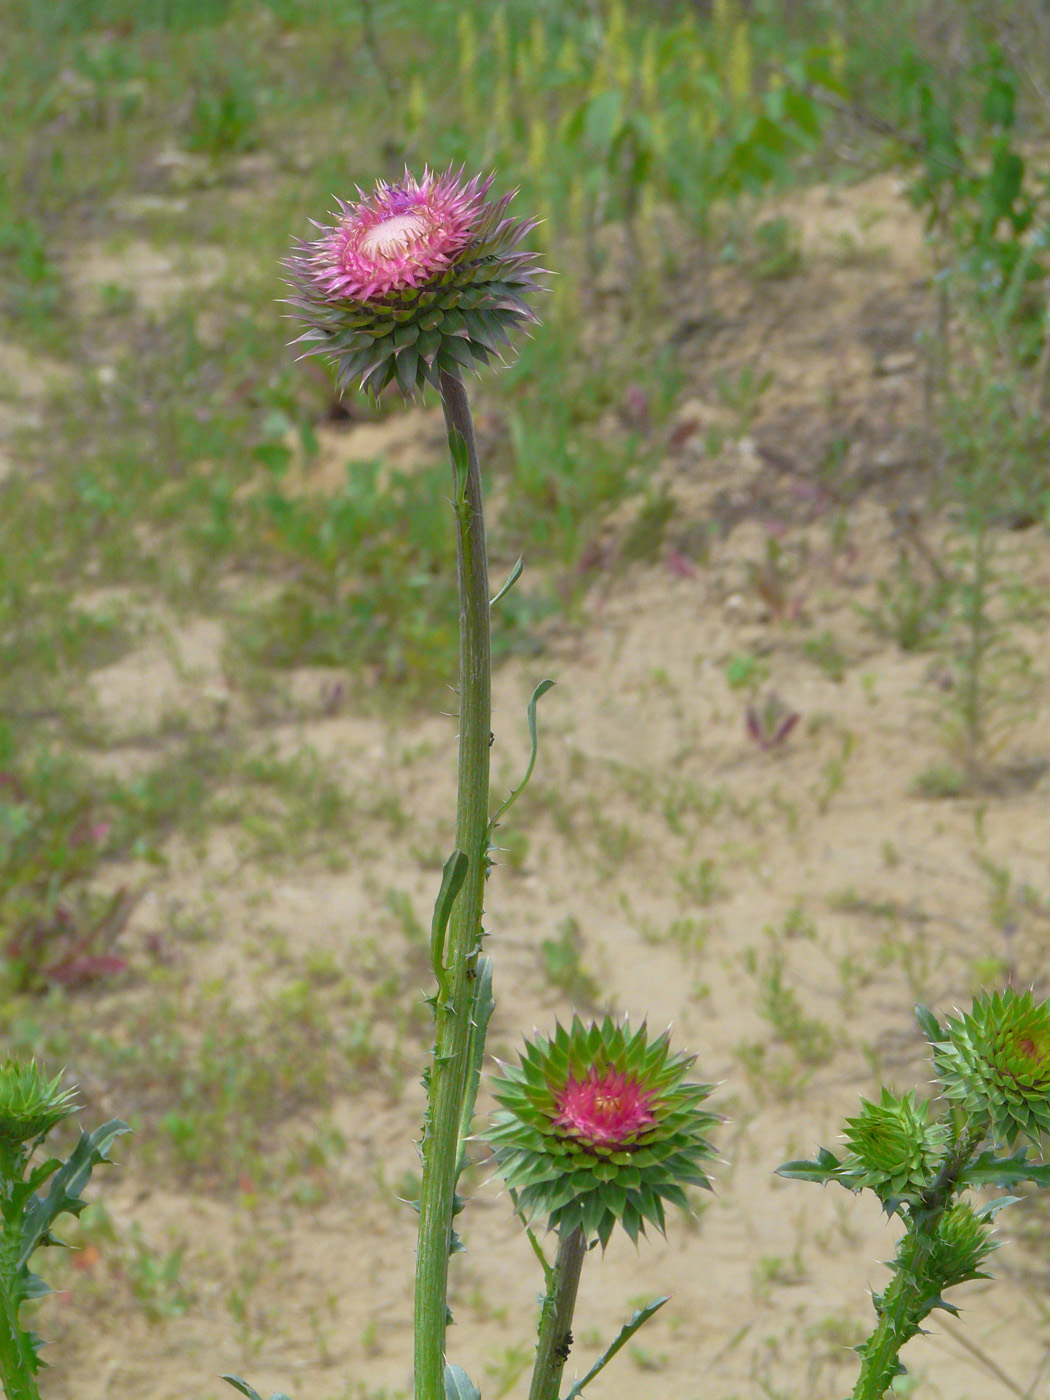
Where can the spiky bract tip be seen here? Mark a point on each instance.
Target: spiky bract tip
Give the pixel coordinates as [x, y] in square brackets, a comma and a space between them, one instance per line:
[30, 1103]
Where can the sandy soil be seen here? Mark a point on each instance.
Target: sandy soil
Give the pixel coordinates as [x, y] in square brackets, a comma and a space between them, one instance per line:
[700, 872]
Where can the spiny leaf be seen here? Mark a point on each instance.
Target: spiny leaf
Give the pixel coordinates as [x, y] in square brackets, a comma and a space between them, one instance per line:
[627, 1331]
[459, 1386]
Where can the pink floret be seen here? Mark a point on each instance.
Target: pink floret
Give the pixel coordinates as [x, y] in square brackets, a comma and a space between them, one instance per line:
[398, 238]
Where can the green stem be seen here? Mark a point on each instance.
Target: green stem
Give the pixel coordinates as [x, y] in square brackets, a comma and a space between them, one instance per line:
[17, 1362]
[901, 1308]
[555, 1339]
[448, 1076]
[896, 1326]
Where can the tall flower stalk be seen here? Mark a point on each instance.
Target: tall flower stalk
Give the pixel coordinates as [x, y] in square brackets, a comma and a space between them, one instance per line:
[456, 960]
[412, 285]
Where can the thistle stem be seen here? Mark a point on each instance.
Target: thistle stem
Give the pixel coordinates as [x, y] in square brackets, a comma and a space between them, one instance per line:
[16, 1352]
[555, 1338]
[901, 1306]
[448, 1078]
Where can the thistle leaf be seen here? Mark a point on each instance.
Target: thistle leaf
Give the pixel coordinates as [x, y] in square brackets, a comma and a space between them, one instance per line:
[245, 1389]
[459, 1386]
[627, 1331]
[825, 1167]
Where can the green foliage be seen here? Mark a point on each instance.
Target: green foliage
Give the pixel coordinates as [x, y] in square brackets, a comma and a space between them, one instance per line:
[52, 838]
[993, 1066]
[224, 115]
[30, 1107]
[30, 283]
[620, 116]
[372, 576]
[977, 190]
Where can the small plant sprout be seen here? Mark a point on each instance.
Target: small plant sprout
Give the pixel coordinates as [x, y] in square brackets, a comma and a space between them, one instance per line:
[769, 721]
[597, 1127]
[31, 1106]
[993, 1067]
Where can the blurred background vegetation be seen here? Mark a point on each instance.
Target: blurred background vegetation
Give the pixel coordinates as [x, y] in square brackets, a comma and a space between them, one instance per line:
[155, 431]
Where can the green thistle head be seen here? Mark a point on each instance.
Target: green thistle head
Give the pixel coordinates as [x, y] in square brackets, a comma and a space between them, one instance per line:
[30, 1104]
[415, 279]
[597, 1126]
[893, 1150]
[962, 1243]
[995, 1063]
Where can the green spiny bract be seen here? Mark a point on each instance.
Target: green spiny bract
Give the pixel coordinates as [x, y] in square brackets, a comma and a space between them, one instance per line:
[597, 1125]
[995, 1063]
[413, 280]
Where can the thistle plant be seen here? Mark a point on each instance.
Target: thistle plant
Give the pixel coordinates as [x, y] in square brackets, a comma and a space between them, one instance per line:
[993, 1068]
[413, 284]
[410, 286]
[31, 1107]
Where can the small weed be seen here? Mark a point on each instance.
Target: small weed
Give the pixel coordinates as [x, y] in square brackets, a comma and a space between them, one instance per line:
[400, 905]
[940, 781]
[772, 578]
[833, 773]
[507, 1368]
[746, 671]
[54, 835]
[825, 653]
[778, 250]
[769, 722]
[912, 610]
[561, 961]
[811, 1039]
[648, 1360]
[701, 882]
[743, 395]
[155, 1278]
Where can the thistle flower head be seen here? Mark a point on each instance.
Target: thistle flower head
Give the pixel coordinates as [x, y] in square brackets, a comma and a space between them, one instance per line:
[416, 278]
[893, 1150]
[995, 1063]
[597, 1125]
[30, 1104]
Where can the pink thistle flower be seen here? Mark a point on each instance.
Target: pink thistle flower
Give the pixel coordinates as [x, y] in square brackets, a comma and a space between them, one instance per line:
[604, 1110]
[416, 279]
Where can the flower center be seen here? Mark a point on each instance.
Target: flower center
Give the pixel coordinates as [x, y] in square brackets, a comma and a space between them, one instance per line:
[393, 236]
[607, 1110]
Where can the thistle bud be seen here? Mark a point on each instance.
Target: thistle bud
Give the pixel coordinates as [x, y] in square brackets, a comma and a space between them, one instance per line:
[995, 1063]
[962, 1243]
[893, 1150]
[30, 1104]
